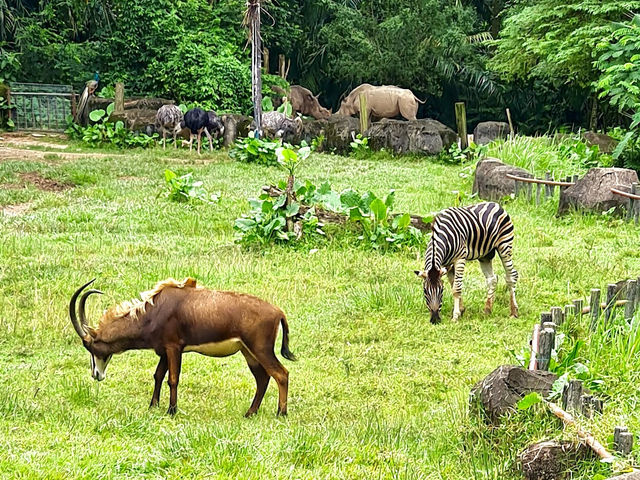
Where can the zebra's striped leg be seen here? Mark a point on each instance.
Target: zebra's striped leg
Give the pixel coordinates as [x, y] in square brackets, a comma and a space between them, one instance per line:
[511, 276]
[457, 288]
[492, 280]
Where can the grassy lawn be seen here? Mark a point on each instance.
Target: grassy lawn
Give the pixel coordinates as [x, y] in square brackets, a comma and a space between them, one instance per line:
[378, 392]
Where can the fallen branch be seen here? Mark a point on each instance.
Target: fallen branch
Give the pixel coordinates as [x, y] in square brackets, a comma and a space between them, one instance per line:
[586, 437]
[333, 217]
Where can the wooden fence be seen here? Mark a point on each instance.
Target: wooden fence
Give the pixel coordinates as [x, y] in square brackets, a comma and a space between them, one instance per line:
[544, 188]
[575, 399]
[633, 207]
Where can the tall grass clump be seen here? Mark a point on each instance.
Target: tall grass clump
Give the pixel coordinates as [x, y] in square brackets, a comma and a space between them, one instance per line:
[562, 156]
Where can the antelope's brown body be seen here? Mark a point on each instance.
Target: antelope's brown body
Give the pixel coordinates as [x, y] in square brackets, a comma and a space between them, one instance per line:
[177, 317]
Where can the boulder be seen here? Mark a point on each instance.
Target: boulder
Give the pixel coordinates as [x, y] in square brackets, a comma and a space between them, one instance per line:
[424, 136]
[139, 113]
[593, 191]
[486, 132]
[551, 460]
[605, 143]
[235, 126]
[491, 182]
[338, 132]
[503, 388]
[627, 476]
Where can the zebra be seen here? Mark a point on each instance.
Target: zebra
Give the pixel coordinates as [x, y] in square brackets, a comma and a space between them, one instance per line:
[475, 232]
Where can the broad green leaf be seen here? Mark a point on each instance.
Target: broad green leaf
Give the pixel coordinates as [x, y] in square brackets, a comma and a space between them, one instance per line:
[292, 209]
[529, 400]
[169, 175]
[110, 108]
[403, 221]
[245, 224]
[379, 210]
[96, 115]
[350, 198]
[280, 201]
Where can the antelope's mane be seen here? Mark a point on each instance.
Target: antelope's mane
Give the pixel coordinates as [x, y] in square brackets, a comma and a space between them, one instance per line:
[137, 306]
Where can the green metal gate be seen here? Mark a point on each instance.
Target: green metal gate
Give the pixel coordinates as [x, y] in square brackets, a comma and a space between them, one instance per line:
[40, 106]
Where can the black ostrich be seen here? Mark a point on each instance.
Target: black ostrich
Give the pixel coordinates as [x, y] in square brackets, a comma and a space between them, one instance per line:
[196, 120]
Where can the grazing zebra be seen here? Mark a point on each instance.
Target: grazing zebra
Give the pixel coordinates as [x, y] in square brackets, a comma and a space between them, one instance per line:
[476, 232]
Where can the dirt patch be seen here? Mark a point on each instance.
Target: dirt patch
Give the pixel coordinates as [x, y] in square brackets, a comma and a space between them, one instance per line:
[33, 140]
[45, 184]
[21, 154]
[16, 210]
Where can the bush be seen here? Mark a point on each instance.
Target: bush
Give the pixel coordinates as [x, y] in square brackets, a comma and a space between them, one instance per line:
[255, 150]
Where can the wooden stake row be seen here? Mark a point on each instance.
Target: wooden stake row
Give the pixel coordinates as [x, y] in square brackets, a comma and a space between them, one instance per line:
[545, 188]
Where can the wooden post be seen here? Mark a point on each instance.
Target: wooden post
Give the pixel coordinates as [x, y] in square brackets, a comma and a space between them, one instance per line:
[364, 114]
[597, 405]
[548, 189]
[547, 337]
[637, 292]
[518, 186]
[577, 303]
[622, 441]
[630, 306]
[611, 298]
[572, 396]
[511, 132]
[556, 315]
[545, 317]
[529, 191]
[635, 189]
[461, 122]
[538, 194]
[253, 15]
[594, 308]
[631, 208]
[119, 98]
[265, 60]
[535, 343]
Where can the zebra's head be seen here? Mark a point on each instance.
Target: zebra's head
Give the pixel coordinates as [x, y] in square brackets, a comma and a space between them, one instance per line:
[432, 290]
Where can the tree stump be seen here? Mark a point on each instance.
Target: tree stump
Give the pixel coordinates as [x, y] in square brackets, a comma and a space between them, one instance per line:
[550, 460]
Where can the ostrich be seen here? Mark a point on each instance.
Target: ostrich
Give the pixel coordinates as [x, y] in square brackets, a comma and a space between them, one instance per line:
[168, 120]
[196, 120]
[215, 127]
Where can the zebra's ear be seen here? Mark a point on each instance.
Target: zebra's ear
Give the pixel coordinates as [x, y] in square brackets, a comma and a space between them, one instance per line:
[420, 273]
[443, 271]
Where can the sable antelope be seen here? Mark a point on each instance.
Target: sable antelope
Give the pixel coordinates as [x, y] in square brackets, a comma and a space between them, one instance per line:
[475, 232]
[176, 317]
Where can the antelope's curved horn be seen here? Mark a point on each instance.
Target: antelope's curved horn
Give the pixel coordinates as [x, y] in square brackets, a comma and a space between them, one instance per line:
[79, 327]
[81, 311]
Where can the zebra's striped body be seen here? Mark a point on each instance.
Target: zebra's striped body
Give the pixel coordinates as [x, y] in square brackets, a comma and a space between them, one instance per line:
[476, 232]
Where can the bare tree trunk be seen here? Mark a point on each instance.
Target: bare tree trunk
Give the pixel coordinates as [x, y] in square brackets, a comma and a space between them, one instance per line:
[253, 13]
[593, 119]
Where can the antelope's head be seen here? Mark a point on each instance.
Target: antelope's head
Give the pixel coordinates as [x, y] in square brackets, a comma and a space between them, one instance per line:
[432, 290]
[100, 351]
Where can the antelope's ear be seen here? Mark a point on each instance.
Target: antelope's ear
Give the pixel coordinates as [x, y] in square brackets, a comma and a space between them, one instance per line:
[443, 271]
[420, 273]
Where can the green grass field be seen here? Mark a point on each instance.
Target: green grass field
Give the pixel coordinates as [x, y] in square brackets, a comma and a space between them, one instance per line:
[378, 392]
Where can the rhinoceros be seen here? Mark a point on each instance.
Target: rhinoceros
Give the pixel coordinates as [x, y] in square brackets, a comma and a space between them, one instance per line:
[382, 102]
[303, 101]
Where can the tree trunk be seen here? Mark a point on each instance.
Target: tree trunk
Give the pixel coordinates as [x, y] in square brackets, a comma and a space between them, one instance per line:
[256, 64]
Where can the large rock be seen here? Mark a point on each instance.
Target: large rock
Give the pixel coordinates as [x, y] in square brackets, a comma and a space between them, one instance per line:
[338, 132]
[425, 136]
[593, 191]
[605, 143]
[551, 460]
[503, 388]
[486, 132]
[491, 182]
[627, 476]
[235, 126]
[138, 120]
[139, 113]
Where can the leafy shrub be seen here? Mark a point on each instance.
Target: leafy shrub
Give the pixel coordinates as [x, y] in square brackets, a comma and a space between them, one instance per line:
[360, 146]
[255, 150]
[186, 189]
[455, 155]
[106, 133]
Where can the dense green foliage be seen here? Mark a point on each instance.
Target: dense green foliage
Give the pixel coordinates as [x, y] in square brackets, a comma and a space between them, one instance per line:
[546, 60]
